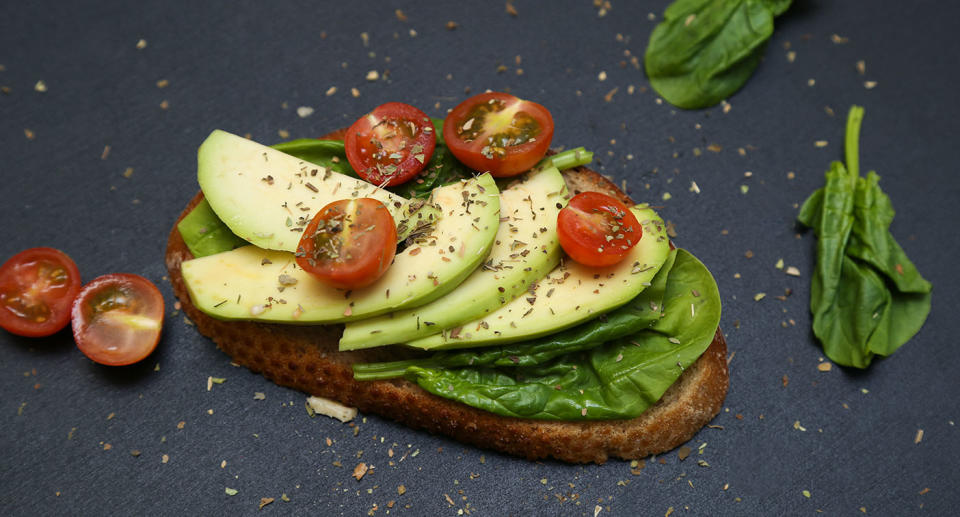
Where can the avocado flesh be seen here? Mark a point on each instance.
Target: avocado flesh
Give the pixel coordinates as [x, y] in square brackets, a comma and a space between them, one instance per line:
[252, 283]
[525, 250]
[267, 197]
[570, 294]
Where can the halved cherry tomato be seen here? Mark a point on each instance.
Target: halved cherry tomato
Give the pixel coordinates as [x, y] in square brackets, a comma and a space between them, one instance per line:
[117, 319]
[37, 287]
[349, 243]
[499, 133]
[391, 144]
[597, 230]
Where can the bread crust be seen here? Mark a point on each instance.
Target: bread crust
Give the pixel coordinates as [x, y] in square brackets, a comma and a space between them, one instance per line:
[306, 358]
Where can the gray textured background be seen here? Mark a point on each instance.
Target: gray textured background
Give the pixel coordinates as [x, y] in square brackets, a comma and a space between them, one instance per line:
[247, 66]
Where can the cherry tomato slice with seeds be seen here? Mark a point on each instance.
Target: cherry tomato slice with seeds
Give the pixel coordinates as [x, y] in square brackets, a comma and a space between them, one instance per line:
[37, 287]
[391, 144]
[597, 230]
[499, 133]
[117, 319]
[349, 244]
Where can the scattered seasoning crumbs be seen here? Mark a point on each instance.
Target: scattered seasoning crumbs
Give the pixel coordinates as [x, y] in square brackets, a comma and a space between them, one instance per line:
[759, 296]
[792, 271]
[230, 491]
[265, 501]
[820, 143]
[128, 172]
[40, 86]
[163, 83]
[331, 90]
[373, 75]
[304, 111]
[861, 67]
[806, 493]
[683, 452]
[29, 134]
[141, 44]
[919, 436]
[798, 427]
[164, 104]
[135, 453]
[360, 470]
[744, 189]
[824, 367]
[869, 84]
[165, 458]
[259, 395]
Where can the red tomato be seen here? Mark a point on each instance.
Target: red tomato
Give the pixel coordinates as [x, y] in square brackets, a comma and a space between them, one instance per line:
[391, 144]
[37, 287]
[349, 243]
[597, 230]
[499, 133]
[117, 319]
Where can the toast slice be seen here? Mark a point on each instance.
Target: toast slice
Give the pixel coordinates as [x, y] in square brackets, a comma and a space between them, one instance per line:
[307, 358]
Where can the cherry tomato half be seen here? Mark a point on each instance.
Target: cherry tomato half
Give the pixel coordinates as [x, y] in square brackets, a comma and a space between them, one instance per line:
[117, 319]
[391, 144]
[597, 230]
[349, 244]
[37, 287]
[499, 133]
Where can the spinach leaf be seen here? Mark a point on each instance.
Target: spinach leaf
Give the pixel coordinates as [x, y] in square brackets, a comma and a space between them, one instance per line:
[705, 50]
[205, 234]
[325, 153]
[618, 379]
[866, 296]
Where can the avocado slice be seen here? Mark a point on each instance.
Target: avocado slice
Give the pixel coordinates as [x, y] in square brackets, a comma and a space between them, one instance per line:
[267, 197]
[525, 250]
[570, 294]
[252, 283]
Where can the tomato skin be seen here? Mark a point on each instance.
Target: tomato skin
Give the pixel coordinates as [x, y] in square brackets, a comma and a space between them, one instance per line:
[37, 288]
[349, 244]
[597, 230]
[472, 129]
[391, 144]
[117, 319]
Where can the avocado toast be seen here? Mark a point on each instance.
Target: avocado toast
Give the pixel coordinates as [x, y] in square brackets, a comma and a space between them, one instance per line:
[308, 358]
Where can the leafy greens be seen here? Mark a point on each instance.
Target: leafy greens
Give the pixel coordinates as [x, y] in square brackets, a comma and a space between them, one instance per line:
[866, 296]
[613, 367]
[705, 50]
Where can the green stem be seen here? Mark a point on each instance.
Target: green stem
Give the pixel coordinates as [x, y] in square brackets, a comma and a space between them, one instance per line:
[568, 159]
[386, 370]
[852, 144]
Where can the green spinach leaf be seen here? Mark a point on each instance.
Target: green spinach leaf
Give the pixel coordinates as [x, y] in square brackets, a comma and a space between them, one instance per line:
[325, 153]
[866, 296]
[705, 50]
[620, 378]
[205, 234]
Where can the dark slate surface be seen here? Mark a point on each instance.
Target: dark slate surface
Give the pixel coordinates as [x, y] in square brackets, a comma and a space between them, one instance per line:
[246, 66]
